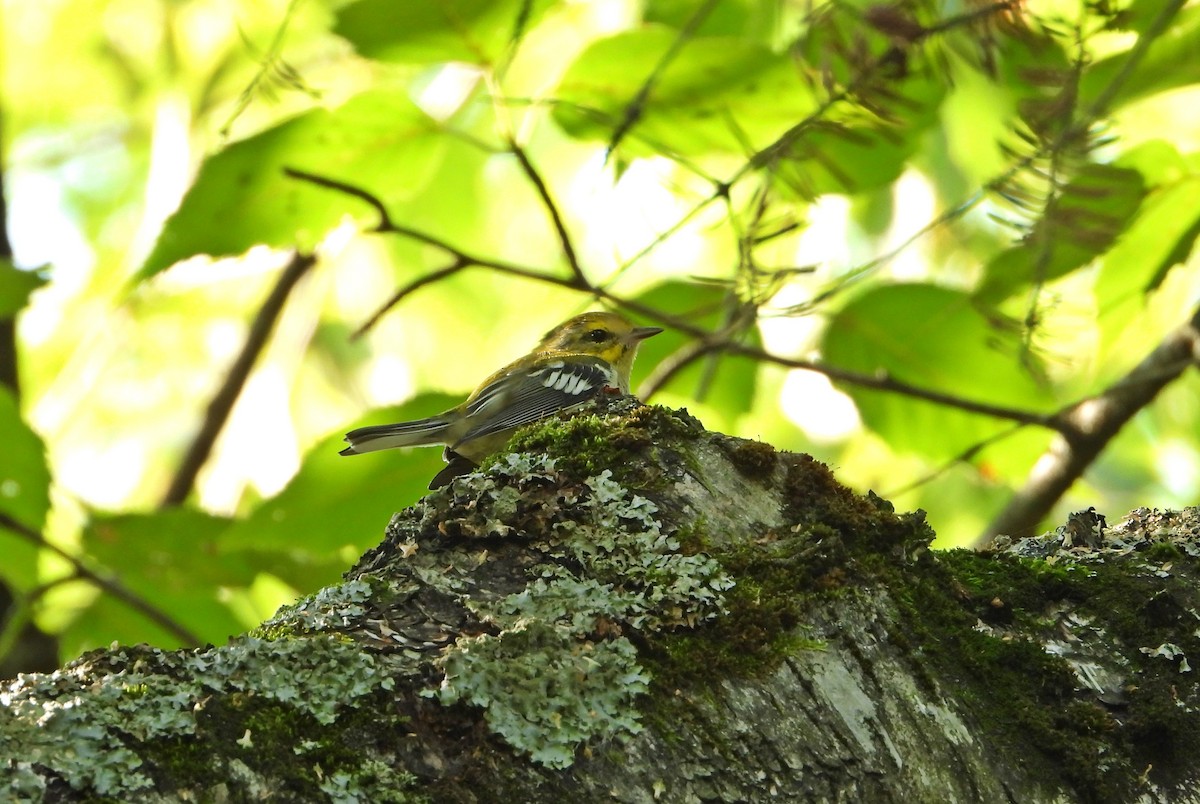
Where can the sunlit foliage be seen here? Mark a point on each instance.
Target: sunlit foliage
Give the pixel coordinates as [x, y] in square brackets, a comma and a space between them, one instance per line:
[904, 237]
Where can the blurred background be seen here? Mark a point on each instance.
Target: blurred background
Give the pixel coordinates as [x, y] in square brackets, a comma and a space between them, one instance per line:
[942, 205]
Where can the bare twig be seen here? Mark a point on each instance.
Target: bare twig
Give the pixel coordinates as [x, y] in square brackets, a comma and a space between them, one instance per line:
[851, 276]
[222, 402]
[633, 110]
[560, 228]
[967, 454]
[881, 381]
[385, 221]
[877, 381]
[407, 290]
[387, 226]
[106, 583]
[674, 363]
[1090, 425]
[661, 237]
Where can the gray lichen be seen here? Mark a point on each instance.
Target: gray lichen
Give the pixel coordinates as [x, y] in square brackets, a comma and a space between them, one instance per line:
[76, 723]
[790, 636]
[558, 670]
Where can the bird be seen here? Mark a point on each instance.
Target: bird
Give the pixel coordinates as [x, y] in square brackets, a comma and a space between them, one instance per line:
[573, 362]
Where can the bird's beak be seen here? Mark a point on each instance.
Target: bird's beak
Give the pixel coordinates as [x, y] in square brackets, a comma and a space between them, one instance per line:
[642, 333]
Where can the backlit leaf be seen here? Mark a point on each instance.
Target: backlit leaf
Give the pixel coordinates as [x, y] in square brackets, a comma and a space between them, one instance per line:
[476, 31]
[693, 103]
[935, 339]
[378, 141]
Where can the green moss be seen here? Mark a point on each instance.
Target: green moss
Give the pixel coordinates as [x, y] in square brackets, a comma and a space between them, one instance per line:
[585, 444]
[868, 523]
[754, 459]
[557, 667]
[832, 550]
[579, 444]
[1030, 697]
[774, 584]
[1163, 551]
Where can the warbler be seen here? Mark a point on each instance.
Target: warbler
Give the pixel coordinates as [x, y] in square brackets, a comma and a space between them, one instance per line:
[574, 361]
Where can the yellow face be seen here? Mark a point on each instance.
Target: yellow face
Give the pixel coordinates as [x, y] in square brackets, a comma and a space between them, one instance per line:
[606, 335]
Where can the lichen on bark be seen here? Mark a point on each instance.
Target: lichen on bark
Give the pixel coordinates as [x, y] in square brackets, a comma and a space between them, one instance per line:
[675, 615]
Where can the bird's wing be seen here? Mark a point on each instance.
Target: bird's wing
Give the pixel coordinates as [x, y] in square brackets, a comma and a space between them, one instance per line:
[526, 395]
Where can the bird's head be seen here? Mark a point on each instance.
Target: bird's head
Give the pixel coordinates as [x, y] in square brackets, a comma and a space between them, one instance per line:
[605, 335]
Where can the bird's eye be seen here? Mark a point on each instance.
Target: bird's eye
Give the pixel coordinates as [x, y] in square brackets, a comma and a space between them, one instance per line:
[598, 336]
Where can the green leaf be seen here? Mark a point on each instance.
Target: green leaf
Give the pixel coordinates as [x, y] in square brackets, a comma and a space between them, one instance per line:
[1163, 236]
[475, 31]
[727, 18]
[716, 94]
[163, 550]
[1158, 161]
[15, 287]
[24, 494]
[935, 339]
[24, 474]
[1092, 211]
[1169, 63]
[854, 149]
[378, 141]
[338, 505]
[20, 568]
[169, 558]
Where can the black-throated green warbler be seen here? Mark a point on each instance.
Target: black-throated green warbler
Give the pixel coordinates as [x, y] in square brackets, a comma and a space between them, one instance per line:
[576, 360]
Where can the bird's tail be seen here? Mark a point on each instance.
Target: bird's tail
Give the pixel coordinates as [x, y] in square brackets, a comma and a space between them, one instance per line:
[419, 433]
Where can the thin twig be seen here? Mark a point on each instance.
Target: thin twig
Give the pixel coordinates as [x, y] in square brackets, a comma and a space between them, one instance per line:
[661, 237]
[847, 280]
[966, 455]
[108, 584]
[881, 381]
[674, 363]
[633, 109]
[560, 227]
[385, 221]
[222, 402]
[407, 290]
[877, 381]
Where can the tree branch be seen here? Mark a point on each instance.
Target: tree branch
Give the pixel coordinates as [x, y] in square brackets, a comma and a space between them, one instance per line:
[465, 260]
[407, 290]
[222, 402]
[1090, 425]
[110, 585]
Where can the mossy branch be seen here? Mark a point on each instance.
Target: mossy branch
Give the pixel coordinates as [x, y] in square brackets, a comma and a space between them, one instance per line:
[628, 595]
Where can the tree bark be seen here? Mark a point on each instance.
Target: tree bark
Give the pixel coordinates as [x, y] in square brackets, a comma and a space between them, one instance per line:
[631, 608]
